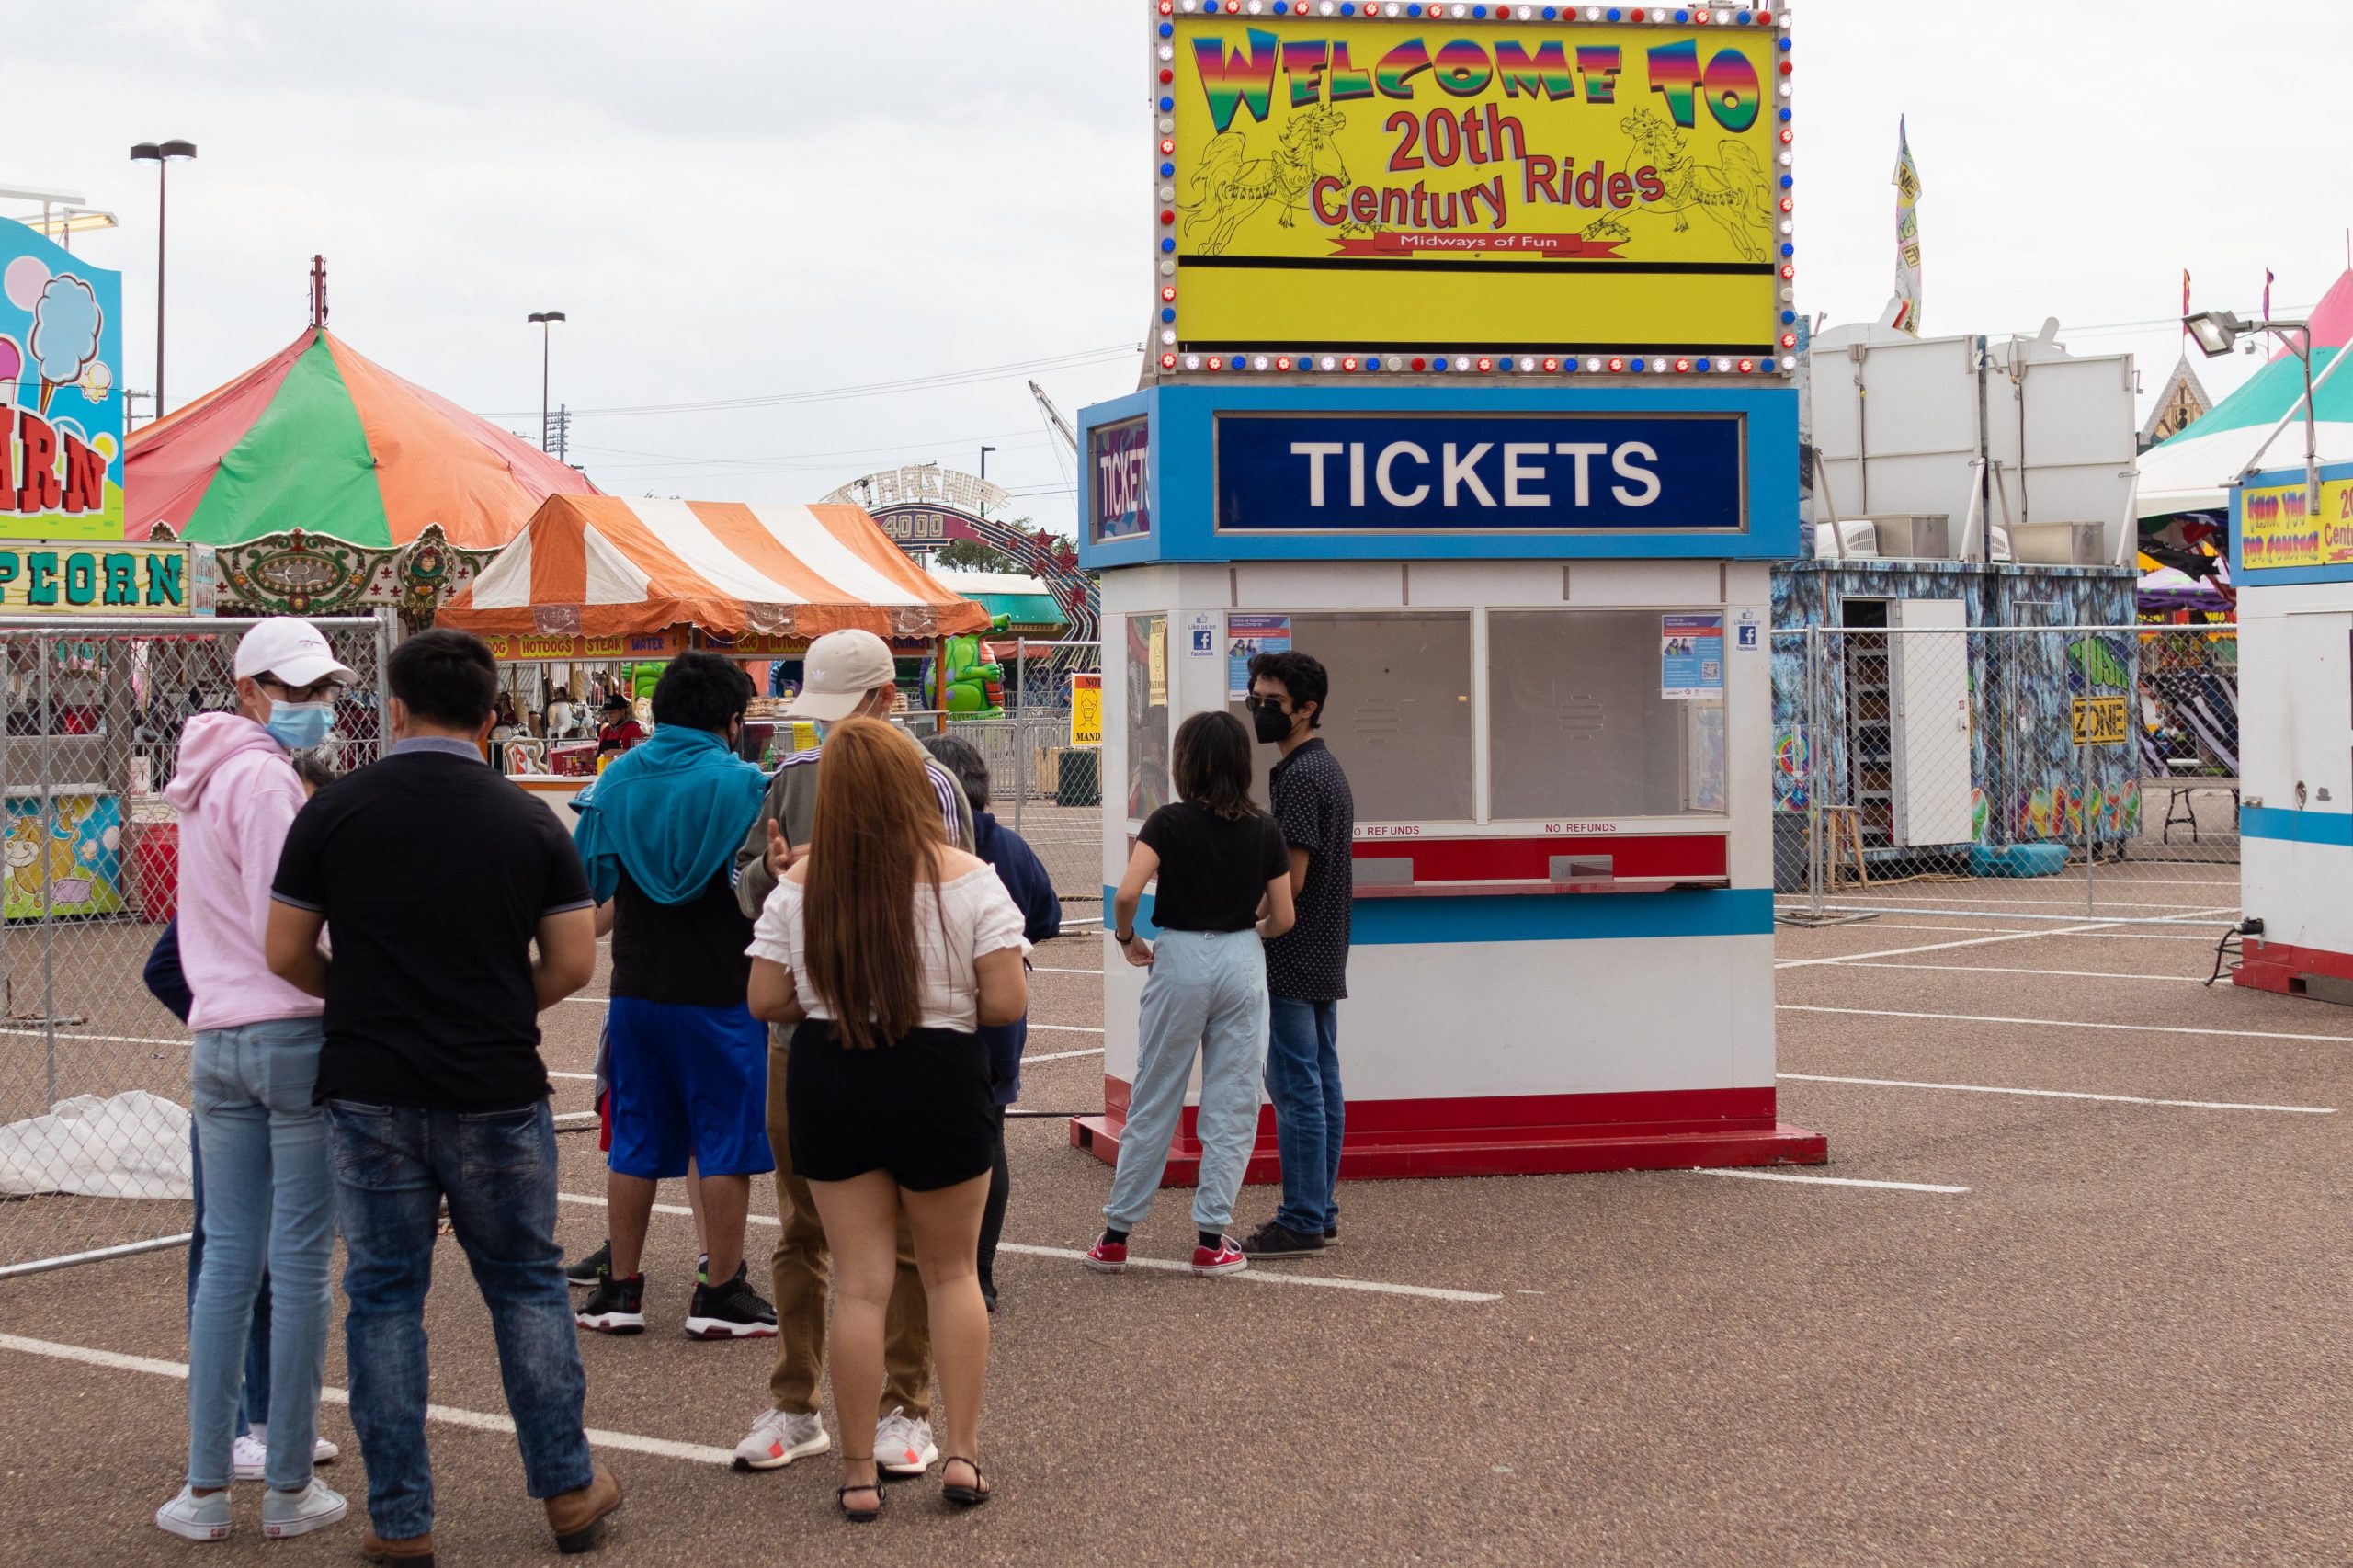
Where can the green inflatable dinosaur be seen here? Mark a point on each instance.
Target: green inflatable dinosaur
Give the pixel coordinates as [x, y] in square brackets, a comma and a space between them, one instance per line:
[976, 690]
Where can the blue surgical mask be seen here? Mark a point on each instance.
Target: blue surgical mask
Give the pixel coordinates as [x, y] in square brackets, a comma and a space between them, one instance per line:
[299, 726]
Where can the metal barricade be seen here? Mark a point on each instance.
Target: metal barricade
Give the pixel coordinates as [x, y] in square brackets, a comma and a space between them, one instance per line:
[93, 1071]
[2037, 773]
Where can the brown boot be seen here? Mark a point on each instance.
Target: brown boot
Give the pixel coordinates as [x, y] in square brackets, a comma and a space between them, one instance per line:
[578, 1517]
[410, 1551]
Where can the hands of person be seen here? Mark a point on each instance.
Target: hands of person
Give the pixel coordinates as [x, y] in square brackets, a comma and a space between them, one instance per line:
[781, 855]
[1137, 951]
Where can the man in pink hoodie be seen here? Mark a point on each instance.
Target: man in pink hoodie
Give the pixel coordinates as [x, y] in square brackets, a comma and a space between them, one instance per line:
[268, 1187]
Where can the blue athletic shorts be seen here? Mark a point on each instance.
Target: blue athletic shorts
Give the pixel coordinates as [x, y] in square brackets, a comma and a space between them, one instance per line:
[686, 1081]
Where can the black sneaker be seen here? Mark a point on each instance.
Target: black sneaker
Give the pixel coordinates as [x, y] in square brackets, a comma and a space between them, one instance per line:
[1330, 1235]
[585, 1271]
[731, 1311]
[1275, 1239]
[615, 1306]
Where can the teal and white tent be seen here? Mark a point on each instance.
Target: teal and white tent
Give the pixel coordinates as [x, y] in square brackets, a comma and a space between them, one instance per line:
[2193, 470]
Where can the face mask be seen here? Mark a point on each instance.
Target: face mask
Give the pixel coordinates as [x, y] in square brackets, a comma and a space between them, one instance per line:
[1272, 725]
[299, 726]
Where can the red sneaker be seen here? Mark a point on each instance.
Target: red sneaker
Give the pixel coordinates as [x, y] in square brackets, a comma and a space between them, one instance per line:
[1106, 1256]
[1222, 1258]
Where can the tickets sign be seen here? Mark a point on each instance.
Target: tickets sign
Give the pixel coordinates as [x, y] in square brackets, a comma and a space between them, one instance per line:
[1409, 180]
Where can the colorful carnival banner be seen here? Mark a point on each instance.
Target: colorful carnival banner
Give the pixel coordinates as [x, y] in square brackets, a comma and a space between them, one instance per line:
[2278, 530]
[70, 578]
[61, 401]
[1401, 181]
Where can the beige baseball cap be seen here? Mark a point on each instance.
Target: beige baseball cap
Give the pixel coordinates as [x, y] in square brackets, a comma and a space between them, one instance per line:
[293, 651]
[840, 669]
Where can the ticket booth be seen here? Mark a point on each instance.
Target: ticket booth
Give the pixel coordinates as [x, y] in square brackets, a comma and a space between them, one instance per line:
[1543, 615]
[2294, 565]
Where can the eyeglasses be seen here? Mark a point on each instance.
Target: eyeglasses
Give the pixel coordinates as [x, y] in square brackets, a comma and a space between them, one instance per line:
[1267, 704]
[311, 693]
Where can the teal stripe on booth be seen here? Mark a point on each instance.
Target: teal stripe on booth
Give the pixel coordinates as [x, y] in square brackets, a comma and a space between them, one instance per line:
[2290, 826]
[1550, 918]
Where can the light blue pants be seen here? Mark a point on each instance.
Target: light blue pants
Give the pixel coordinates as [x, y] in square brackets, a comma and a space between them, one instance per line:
[1207, 991]
[269, 1199]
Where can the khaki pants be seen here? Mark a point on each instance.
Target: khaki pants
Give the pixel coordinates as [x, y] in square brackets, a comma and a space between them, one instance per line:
[802, 1278]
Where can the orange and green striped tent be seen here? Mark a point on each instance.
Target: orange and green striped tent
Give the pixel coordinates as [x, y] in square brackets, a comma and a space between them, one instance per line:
[320, 437]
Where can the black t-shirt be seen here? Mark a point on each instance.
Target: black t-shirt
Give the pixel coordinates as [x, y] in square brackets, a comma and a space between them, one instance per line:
[1214, 872]
[690, 955]
[434, 874]
[1310, 794]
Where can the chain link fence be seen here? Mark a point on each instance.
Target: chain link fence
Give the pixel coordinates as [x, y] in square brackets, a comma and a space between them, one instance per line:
[2048, 773]
[93, 1071]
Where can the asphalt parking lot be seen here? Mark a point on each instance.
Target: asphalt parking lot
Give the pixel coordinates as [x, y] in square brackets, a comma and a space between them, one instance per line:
[2069, 1292]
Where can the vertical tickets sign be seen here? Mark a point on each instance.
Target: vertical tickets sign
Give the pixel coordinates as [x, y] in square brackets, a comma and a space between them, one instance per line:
[1407, 181]
[60, 406]
[1120, 455]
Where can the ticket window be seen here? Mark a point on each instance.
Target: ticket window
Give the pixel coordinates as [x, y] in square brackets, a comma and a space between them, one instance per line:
[1581, 723]
[1400, 718]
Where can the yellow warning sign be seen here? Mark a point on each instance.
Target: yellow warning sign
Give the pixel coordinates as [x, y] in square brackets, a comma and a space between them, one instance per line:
[2101, 722]
[1087, 710]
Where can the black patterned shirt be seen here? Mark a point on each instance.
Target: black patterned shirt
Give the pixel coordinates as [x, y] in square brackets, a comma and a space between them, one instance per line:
[1316, 812]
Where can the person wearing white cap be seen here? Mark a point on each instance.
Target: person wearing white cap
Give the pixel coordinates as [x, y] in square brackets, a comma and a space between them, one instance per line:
[846, 674]
[269, 1192]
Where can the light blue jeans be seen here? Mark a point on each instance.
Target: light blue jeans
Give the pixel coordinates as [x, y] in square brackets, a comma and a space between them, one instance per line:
[268, 1201]
[1207, 991]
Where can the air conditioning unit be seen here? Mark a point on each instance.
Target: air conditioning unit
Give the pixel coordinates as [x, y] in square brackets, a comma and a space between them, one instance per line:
[1914, 537]
[2056, 544]
[1856, 540]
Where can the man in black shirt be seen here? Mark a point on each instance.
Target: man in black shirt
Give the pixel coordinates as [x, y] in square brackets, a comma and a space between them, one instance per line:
[687, 1064]
[437, 877]
[1307, 967]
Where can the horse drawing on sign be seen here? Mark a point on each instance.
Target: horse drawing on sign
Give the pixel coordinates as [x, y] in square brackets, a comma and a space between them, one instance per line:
[1229, 186]
[1733, 191]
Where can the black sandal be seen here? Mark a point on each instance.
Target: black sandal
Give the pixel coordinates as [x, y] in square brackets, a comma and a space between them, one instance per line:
[841, 1493]
[965, 1497]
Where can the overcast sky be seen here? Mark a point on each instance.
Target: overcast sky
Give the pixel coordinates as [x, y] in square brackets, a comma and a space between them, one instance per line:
[738, 200]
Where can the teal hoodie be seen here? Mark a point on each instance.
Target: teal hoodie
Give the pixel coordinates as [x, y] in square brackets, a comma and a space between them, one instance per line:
[670, 812]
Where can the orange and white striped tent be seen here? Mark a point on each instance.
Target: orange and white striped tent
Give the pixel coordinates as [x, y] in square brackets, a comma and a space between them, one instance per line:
[610, 566]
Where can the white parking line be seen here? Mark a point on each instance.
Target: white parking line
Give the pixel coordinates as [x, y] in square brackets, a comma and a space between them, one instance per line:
[447, 1416]
[101, 1038]
[583, 1077]
[1380, 1287]
[2097, 927]
[1823, 1181]
[1067, 1028]
[1064, 1055]
[1041, 968]
[2054, 974]
[2057, 1093]
[2067, 1024]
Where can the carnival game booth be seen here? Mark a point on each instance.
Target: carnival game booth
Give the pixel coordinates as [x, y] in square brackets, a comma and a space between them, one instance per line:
[605, 580]
[2293, 566]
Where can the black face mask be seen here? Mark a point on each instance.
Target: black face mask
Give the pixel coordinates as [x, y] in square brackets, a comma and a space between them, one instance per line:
[1273, 724]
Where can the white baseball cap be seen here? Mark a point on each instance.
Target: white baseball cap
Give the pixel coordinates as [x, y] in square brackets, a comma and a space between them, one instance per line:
[293, 651]
[838, 671]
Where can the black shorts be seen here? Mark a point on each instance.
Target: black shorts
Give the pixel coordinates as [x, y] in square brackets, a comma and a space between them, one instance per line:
[918, 1108]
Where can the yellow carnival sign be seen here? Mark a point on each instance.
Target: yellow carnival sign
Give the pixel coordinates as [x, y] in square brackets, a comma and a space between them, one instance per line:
[1420, 178]
[2278, 529]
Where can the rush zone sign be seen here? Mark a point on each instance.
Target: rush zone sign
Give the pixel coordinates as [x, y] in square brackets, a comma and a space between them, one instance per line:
[1483, 473]
[1368, 182]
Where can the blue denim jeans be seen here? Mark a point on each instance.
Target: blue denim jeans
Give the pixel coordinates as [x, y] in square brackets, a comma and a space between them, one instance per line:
[253, 1404]
[1207, 991]
[269, 1202]
[1304, 1080]
[392, 1166]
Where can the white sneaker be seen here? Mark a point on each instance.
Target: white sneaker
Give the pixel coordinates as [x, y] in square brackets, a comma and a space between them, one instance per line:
[250, 1455]
[316, 1507]
[779, 1436]
[192, 1518]
[903, 1445]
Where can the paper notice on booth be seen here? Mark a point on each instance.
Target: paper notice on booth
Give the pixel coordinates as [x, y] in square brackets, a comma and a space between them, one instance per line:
[1692, 657]
[1200, 635]
[1247, 637]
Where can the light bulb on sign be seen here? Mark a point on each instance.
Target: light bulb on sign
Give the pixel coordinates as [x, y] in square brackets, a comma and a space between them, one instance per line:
[1168, 361]
[1192, 361]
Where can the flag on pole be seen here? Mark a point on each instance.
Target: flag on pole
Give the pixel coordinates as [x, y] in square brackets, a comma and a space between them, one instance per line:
[1907, 235]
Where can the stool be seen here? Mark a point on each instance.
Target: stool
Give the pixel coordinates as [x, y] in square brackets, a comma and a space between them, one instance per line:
[1843, 828]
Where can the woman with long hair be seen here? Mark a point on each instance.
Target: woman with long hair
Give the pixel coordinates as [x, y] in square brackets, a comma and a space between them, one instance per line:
[1224, 888]
[887, 949]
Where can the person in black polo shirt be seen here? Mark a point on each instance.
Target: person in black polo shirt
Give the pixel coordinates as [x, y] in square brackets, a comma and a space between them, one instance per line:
[1307, 967]
[687, 1065]
[438, 877]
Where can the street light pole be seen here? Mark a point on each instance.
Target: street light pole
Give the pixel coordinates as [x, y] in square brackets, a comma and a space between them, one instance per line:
[543, 318]
[984, 475]
[160, 154]
[2216, 332]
